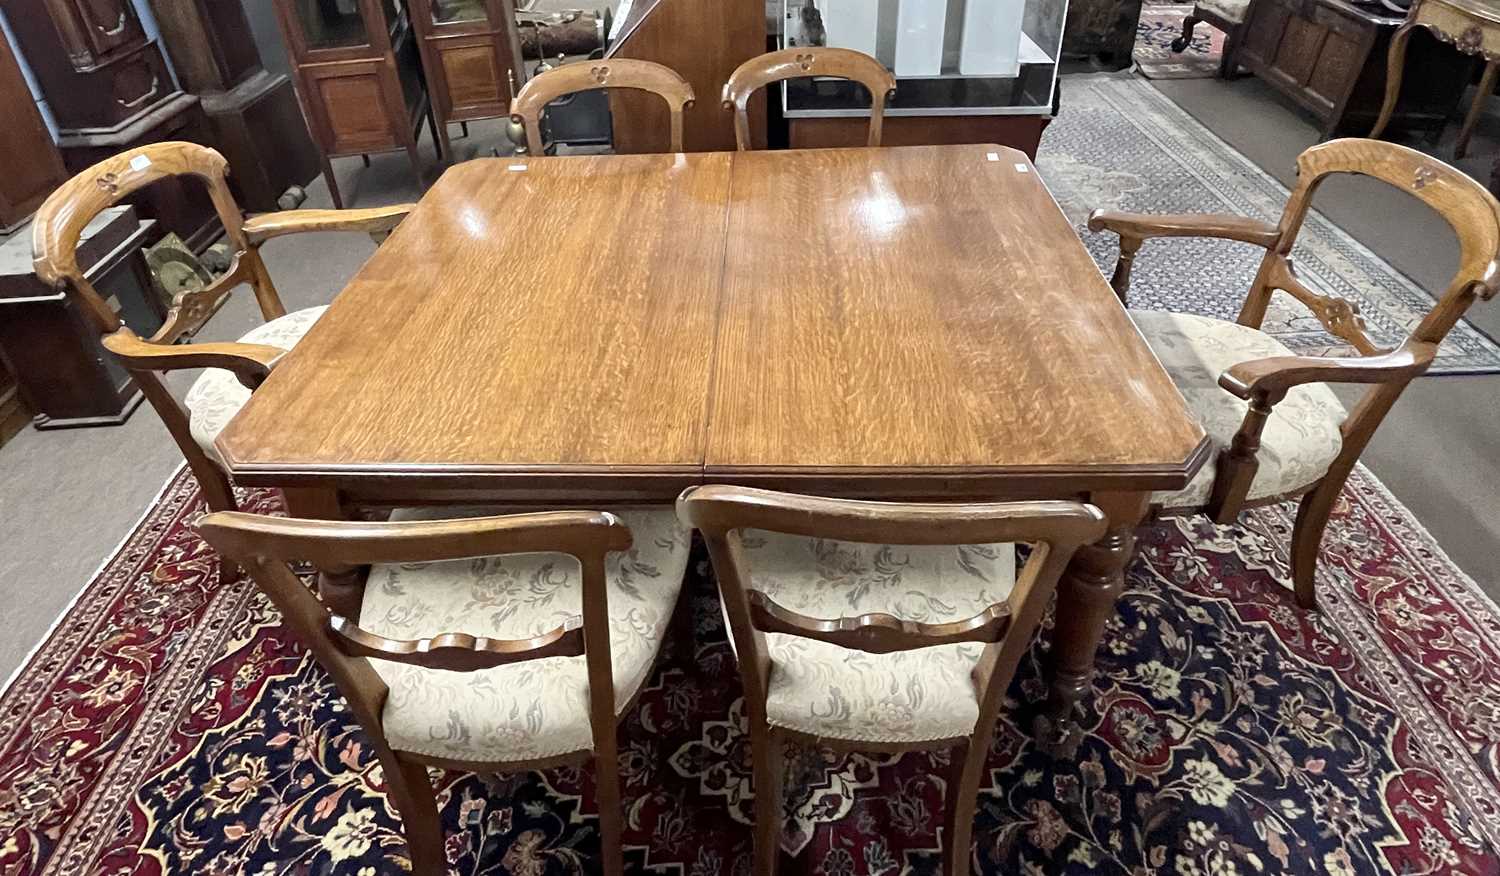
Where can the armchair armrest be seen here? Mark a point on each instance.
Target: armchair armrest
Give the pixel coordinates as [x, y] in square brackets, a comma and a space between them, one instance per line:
[1140, 226]
[1271, 378]
[251, 363]
[373, 220]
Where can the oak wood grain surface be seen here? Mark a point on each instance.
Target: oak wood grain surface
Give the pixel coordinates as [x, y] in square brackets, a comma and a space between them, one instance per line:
[927, 310]
[555, 317]
[914, 321]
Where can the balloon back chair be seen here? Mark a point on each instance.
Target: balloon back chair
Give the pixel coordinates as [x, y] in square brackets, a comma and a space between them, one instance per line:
[762, 70]
[442, 670]
[647, 76]
[917, 657]
[1280, 431]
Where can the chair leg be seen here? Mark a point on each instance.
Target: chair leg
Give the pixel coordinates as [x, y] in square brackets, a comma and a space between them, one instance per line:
[1181, 43]
[1307, 535]
[611, 815]
[767, 748]
[959, 804]
[411, 791]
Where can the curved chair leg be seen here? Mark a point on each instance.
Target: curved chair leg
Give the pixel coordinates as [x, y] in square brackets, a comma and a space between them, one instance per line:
[411, 791]
[767, 749]
[607, 797]
[1312, 519]
[1395, 65]
[959, 804]
[1181, 43]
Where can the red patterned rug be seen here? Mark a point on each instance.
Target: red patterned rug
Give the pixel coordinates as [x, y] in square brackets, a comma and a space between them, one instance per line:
[168, 725]
[1159, 25]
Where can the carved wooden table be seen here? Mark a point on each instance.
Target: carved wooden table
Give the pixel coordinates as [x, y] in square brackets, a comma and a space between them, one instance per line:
[900, 322]
[1472, 27]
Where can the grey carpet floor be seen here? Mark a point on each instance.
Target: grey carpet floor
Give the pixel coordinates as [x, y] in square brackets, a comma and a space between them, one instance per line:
[67, 498]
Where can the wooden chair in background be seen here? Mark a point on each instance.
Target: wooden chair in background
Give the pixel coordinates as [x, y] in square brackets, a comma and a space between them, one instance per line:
[234, 369]
[588, 75]
[796, 63]
[442, 668]
[1280, 431]
[820, 649]
[1226, 15]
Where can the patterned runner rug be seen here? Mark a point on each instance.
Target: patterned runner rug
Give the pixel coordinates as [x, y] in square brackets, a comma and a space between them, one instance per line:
[168, 725]
[1120, 143]
[1159, 25]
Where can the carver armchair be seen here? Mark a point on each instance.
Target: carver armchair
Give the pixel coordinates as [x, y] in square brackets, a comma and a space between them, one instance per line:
[876, 626]
[487, 644]
[233, 370]
[1280, 431]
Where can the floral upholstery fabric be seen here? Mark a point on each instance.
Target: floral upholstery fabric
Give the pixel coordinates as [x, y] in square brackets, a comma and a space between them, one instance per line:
[1231, 10]
[217, 395]
[535, 708]
[905, 696]
[1301, 438]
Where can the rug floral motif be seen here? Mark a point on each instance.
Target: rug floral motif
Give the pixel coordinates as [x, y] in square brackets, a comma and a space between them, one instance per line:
[1159, 25]
[169, 725]
[1120, 143]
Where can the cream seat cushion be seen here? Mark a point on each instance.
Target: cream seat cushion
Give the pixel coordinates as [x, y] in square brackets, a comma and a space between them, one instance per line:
[1231, 10]
[906, 696]
[217, 395]
[535, 708]
[1301, 438]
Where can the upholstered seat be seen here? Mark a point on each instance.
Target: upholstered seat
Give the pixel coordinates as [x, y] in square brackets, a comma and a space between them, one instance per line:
[1302, 436]
[1232, 10]
[537, 708]
[217, 395]
[906, 696]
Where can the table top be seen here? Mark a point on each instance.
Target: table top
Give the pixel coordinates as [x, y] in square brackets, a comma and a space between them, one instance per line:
[899, 321]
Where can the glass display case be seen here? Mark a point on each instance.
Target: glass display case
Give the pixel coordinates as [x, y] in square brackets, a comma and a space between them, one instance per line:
[357, 71]
[966, 70]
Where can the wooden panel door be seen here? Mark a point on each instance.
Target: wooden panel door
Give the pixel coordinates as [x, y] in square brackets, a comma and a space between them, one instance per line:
[349, 104]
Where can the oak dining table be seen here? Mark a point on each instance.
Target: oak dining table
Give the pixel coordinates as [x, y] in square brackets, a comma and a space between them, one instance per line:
[914, 322]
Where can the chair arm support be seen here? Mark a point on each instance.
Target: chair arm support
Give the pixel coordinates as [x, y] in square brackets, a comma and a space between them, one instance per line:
[372, 220]
[1140, 226]
[250, 363]
[1271, 378]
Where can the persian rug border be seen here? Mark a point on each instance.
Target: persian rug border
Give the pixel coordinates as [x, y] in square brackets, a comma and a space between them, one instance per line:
[1481, 796]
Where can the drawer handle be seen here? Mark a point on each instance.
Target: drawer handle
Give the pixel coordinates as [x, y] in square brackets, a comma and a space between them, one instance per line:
[150, 93]
[115, 31]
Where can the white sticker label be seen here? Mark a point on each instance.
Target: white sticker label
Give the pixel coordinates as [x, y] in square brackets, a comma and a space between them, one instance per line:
[1021, 168]
[993, 156]
[516, 167]
[140, 162]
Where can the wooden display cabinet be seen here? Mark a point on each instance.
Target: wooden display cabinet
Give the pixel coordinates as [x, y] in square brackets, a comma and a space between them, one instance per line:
[359, 78]
[469, 48]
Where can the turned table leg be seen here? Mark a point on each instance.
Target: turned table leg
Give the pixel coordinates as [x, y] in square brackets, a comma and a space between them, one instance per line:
[1085, 602]
[341, 588]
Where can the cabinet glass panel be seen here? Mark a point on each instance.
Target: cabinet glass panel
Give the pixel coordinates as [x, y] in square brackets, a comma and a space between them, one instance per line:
[950, 57]
[331, 24]
[454, 11]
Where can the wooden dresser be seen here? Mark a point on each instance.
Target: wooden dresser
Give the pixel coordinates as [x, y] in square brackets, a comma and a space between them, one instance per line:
[1329, 57]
